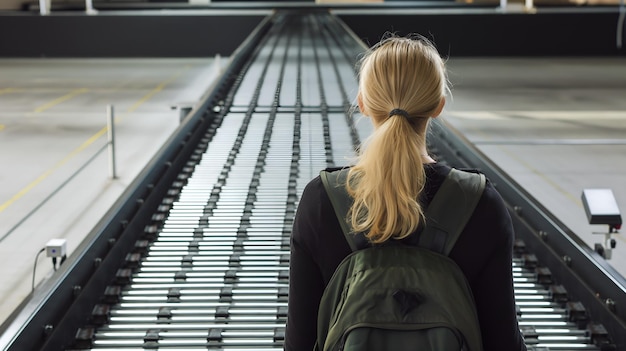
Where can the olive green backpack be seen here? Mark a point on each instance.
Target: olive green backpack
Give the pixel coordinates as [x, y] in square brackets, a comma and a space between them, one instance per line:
[396, 297]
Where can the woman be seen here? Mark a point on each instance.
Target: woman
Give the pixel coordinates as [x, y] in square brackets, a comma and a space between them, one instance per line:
[402, 84]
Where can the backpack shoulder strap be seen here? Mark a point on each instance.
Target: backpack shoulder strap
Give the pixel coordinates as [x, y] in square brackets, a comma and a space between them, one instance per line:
[450, 209]
[446, 216]
[335, 185]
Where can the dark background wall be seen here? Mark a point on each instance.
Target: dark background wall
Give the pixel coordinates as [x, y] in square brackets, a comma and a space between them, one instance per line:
[74, 34]
[577, 33]
[79, 35]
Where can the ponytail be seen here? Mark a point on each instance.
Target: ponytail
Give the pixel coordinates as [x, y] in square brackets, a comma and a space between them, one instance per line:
[387, 182]
[406, 77]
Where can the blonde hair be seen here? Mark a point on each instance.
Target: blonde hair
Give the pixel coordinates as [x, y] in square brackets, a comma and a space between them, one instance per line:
[388, 177]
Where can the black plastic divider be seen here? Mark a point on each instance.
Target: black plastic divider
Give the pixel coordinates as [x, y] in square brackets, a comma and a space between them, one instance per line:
[589, 278]
[582, 31]
[50, 318]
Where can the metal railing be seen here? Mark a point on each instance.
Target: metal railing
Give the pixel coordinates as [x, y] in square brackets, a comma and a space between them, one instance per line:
[110, 145]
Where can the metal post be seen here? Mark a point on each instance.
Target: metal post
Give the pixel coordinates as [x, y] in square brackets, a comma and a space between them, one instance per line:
[503, 4]
[44, 7]
[529, 6]
[620, 25]
[111, 140]
[89, 7]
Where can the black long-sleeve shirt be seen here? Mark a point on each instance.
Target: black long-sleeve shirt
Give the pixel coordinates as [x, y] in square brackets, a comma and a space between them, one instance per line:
[483, 252]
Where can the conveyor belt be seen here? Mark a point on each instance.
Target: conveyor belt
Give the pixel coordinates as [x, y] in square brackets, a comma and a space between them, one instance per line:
[210, 270]
[216, 274]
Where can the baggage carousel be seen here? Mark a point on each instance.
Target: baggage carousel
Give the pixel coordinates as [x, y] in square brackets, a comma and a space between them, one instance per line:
[196, 254]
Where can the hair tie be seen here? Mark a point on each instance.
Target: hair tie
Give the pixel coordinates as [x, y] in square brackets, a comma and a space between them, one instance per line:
[399, 112]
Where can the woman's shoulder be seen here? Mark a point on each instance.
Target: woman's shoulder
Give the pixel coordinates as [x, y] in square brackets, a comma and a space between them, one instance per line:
[490, 207]
[491, 216]
[437, 172]
[316, 184]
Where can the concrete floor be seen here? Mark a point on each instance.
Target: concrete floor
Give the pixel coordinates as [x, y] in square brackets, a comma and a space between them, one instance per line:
[52, 121]
[556, 126]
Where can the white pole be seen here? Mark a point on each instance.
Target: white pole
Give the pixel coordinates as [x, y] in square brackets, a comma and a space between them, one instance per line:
[44, 7]
[217, 65]
[111, 140]
[529, 6]
[89, 7]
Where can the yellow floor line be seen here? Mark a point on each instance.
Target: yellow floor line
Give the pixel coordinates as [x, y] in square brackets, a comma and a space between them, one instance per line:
[1, 127]
[60, 100]
[156, 90]
[6, 91]
[47, 173]
[146, 97]
[89, 141]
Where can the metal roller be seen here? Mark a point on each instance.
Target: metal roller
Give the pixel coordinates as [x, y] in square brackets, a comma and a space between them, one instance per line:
[216, 274]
